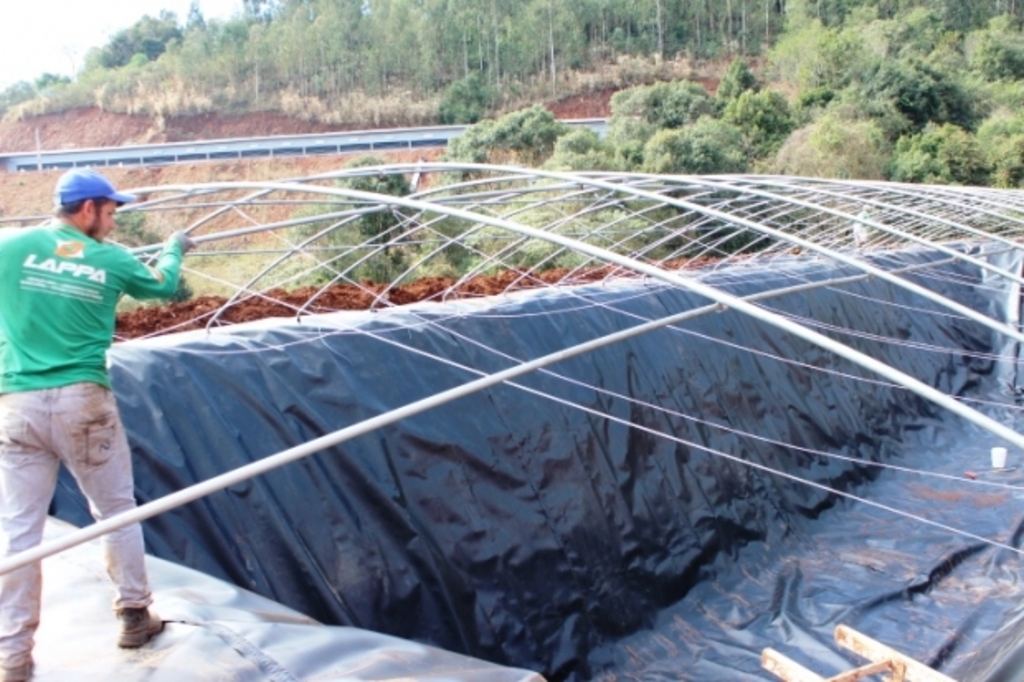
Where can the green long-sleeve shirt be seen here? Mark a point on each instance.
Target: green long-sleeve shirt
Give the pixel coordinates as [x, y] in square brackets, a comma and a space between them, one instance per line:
[58, 292]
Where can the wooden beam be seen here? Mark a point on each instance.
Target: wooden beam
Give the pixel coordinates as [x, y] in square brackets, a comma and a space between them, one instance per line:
[850, 639]
[883, 659]
[896, 669]
[786, 669]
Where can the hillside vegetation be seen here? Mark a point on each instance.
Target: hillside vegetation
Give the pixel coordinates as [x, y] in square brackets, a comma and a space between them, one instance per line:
[910, 90]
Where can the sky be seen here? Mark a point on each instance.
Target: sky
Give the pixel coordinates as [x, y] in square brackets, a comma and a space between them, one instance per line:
[53, 36]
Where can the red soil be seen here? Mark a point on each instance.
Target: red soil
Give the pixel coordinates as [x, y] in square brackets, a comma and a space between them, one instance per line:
[196, 313]
[87, 128]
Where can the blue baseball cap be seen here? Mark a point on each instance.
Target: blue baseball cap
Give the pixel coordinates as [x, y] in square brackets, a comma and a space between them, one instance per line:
[79, 184]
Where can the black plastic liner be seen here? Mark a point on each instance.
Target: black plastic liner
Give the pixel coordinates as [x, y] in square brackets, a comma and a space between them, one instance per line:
[529, 532]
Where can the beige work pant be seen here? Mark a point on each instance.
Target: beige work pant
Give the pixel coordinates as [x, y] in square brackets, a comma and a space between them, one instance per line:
[80, 426]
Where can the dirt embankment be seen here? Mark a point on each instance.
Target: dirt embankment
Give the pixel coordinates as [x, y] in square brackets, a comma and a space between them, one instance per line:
[26, 194]
[197, 313]
[86, 128]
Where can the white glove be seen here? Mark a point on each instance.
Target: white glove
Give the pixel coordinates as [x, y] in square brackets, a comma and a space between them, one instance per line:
[186, 242]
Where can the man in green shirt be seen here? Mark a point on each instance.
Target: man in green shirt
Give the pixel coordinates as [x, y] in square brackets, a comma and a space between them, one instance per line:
[59, 287]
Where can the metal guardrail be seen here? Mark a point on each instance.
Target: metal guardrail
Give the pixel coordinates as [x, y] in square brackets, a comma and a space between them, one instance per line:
[248, 148]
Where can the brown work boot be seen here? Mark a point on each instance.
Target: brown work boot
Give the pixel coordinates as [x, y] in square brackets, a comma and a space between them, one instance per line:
[137, 627]
[22, 673]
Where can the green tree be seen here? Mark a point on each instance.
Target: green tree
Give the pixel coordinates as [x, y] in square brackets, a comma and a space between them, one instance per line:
[377, 224]
[922, 94]
[816, 57]
[381, 225]
[473, 145]
[833, 147]
[707, 146]
[132, 230]
[943, 154]
[1000, 125]
[814, 98]
[664, 105]
[148, 36]
[195, 21]
[21, 91]
[1007, 162]
[465, 101]
[764, 117]
[1000, 58]
[583, 149]
[531, 133]
[260, 10]
[627, 136]
[50, 80]
[1001, 138]
[915, 33]
[999, 54]
[962, 15]
[528, 134]
[737, 80]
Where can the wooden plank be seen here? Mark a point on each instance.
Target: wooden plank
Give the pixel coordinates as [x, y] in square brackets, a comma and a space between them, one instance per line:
[850, 639]
[896, 669]
[785, 669]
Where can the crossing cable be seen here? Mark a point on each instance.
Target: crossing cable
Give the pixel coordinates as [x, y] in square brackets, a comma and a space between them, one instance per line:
[722, 301]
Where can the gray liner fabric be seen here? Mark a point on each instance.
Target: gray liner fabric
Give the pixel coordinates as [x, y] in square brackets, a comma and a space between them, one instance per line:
[215, 632]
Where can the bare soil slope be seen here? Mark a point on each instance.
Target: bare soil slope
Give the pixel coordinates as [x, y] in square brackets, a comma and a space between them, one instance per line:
[195, 313]
[86, 128]
[29, 193]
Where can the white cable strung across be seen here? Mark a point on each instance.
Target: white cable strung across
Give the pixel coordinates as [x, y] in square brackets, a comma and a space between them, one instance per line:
[729, 300]
[722, 300]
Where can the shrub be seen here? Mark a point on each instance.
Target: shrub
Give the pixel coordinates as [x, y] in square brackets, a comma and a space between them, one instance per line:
[1001, 138]
[817, 57]
[922, 94]
[1007, 162]
[345, 246]
[1000, 52]
[664, 105]
[473, 145]
[764, 117]
[582, 149]
[708, 146]
[184, 292]
[132, 230]
[815, 98]
[376, 225]
[942, 154]
[832, 147]
[16, 94]
[530, 134]
[737, 80]
[465, 101]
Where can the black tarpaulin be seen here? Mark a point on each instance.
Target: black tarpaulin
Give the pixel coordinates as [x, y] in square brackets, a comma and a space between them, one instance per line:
[585, 527]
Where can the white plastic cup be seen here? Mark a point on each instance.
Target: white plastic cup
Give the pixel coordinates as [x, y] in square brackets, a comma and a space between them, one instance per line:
[998, 458]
